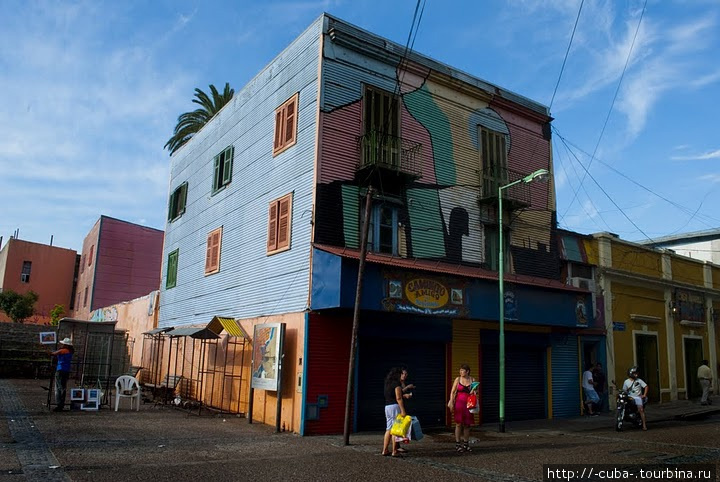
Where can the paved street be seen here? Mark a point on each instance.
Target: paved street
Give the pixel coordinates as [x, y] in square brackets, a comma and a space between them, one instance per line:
[167, 444]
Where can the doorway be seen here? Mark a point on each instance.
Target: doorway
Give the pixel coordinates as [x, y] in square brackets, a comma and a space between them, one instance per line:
[693, 348]
[646, 356]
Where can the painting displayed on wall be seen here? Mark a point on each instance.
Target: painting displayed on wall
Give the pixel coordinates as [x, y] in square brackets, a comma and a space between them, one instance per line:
[48, 337]
[267, 350]
[77, 394]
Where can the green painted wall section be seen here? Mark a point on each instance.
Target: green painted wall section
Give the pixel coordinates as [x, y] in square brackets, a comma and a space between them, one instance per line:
[421, 105]
[428, 238]
[351, 208]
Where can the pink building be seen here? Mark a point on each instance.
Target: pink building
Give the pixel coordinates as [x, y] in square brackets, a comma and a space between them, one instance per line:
[46, 270]
[120, 261]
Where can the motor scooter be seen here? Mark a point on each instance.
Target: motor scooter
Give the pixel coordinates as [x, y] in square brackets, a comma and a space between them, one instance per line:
[627, 411]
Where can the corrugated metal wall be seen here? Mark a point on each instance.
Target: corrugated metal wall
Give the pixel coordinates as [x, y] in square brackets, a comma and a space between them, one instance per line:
[249, 282]
[565, 382]
[466, 349]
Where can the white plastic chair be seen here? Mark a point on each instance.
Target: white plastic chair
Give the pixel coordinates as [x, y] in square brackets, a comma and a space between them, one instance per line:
[127, 387]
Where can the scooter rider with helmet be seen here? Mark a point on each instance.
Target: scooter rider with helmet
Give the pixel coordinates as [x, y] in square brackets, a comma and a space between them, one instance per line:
[638, 390]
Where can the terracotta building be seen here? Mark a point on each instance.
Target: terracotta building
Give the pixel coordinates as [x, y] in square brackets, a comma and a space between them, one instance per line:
[47, 270]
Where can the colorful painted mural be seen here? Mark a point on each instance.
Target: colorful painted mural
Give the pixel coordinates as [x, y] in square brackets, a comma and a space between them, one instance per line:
[448, 212]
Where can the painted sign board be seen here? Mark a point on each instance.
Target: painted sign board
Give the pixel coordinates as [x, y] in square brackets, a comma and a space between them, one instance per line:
[618, 326]
[267, 356]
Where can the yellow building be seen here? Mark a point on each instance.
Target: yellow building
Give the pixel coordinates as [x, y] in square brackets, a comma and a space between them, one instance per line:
[659, 310]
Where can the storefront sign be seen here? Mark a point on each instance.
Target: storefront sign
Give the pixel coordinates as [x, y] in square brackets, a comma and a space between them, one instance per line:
[425, 296]
[426, 293]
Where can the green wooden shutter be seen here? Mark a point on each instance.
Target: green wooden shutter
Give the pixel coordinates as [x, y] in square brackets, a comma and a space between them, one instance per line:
[227, 166]
[216, 174]
[182, 199]
[172, 266]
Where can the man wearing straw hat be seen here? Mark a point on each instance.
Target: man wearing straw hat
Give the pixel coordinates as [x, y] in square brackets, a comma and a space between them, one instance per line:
[62, 373]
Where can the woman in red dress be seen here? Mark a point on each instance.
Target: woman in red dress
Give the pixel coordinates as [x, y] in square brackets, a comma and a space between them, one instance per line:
[458, 405]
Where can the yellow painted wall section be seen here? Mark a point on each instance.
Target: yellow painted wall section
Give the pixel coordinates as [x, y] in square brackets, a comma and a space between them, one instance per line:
[465, 349]
[265, 403]
[715, 277]
[591, 249]
[629, 300]
[687, 271]
[636, 259]
[233, 393]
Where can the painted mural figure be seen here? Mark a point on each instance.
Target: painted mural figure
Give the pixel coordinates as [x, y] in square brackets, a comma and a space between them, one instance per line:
[461, 390]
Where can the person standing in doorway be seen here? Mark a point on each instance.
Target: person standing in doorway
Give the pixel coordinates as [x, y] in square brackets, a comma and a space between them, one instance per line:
[458, 405]
[600, 382]
[704, 374]
[62, 372]
[588, 384]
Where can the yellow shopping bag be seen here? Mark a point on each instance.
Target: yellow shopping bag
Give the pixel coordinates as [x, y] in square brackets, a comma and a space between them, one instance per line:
[401, 426]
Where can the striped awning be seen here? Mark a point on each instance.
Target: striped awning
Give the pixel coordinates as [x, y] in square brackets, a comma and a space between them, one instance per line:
[230, 325]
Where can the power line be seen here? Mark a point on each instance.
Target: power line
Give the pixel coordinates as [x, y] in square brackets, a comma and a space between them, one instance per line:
[616, 171]
[572, 36]
[612, 104]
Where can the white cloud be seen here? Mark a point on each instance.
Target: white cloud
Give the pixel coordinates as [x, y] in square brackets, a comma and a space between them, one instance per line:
[699, 157]
[712, 178]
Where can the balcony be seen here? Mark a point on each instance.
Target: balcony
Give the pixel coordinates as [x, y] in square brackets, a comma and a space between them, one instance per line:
[386, 155]
[514, 197]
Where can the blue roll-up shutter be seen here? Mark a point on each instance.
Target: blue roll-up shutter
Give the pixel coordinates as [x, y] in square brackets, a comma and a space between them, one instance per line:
[565, 376]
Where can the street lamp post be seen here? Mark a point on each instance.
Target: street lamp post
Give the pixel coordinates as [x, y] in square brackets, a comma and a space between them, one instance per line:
[539, 174]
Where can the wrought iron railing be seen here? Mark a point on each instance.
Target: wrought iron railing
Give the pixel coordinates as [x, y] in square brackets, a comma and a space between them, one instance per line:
[391, 153]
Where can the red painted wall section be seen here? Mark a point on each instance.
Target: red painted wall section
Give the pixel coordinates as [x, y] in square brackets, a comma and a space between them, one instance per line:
[51, 275]
[127, 264]
[327, 361]
[528, 152]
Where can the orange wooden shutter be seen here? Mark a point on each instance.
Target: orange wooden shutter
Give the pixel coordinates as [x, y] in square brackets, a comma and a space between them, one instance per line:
[290, 123]
[215, 250]
[278, 129]
[208, 254]
[284, 224]
[272, 226]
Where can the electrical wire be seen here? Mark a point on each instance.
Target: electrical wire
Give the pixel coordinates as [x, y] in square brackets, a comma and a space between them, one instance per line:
[567, 52]
[612, 105]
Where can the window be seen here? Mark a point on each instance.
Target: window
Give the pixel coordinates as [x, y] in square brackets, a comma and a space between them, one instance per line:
[279, 222]
[172, 266]
[285, 125]
[90, 257]
[383, 230]
[178, 199]
[382, 113]
[493, 152]
[85, 298]
[212, 255]
[222, 173]
[381, 122]
[82, 263]
[25, 275]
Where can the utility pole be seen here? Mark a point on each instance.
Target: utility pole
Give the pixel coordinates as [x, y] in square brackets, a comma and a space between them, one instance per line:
[356, 313]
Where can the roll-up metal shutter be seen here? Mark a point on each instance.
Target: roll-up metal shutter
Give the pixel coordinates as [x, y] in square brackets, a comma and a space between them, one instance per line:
[565, 376]
[425, 361]
[525, 378]
[328, 340]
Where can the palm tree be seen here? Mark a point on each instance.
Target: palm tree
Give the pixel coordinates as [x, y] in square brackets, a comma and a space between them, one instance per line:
[190, 123]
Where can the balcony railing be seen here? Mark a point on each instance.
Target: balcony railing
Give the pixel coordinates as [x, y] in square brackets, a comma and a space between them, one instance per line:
[390, 153]
[492, 178]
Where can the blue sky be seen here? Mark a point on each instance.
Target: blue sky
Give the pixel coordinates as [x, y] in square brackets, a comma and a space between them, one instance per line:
[92, 91]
